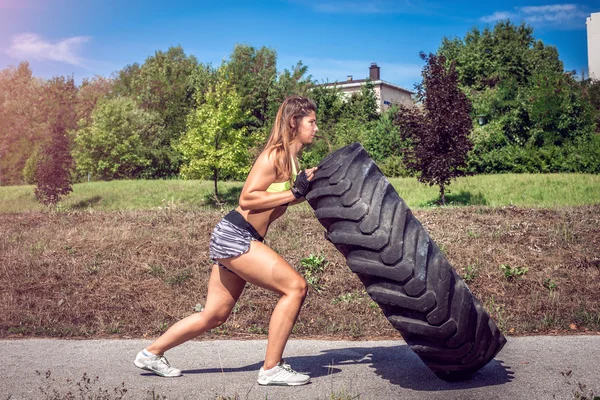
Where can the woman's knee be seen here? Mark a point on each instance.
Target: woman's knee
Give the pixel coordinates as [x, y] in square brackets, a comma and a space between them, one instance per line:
[298, 288]
[215, 319]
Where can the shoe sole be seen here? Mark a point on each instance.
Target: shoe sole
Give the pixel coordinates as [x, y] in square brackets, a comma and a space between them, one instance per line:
[283, 383]
[142, 366]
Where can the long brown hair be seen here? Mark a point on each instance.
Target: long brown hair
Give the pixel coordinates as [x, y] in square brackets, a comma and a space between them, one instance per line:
[293, 108]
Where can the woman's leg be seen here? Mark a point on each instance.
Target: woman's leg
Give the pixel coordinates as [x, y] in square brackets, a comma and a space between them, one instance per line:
[263, 267]
[224, 289]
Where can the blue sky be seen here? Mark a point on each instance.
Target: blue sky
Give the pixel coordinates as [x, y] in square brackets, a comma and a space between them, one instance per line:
[334, 38]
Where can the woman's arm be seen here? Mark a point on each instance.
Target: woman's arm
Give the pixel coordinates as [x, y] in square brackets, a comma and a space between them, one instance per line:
[254, 194]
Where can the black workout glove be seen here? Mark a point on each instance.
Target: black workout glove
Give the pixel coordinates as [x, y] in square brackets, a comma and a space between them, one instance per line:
[301, 185]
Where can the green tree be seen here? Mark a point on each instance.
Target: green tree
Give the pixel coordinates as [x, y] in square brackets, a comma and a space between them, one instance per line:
[294, 81]
[438, 133]
[163, 84]
[253, 73]
[486, 58]
[123, 81]
[558, 110]
[89, 93]
[114, 146]
[215, 144]
[330, 105]
[362, 105]
[532, 107]
[591, 89]
[384, 140]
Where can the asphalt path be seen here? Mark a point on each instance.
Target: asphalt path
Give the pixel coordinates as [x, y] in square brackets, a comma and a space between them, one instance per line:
[547, 367]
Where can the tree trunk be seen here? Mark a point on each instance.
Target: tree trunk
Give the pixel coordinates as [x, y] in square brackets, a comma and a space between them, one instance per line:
[215, 179]
[442, 195]
[216, 173]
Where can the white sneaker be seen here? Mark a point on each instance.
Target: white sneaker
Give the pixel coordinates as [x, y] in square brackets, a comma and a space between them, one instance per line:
[157, 364]
[282, 375]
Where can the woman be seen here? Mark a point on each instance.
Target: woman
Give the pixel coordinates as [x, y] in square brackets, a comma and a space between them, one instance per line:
[239, 255]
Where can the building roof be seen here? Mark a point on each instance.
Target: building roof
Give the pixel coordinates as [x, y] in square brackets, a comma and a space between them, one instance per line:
[360, 82]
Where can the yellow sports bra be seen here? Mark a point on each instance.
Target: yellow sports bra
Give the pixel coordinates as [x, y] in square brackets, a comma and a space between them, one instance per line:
[277, 187]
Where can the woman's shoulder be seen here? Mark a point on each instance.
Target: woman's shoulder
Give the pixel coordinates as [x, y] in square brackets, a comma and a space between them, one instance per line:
[266, 159]
[268, 155]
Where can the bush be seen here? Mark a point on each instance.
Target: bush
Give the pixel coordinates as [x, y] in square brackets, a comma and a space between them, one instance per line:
[581, 156]
[384, 139]
[312, 155]
[394, 167]
[30, 168]
[584, 155]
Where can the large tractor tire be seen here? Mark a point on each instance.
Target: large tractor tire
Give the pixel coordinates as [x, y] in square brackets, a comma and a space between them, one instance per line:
[402, 269]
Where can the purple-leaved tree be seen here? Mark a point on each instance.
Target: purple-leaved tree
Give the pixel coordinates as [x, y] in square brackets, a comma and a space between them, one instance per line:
[438, 128]
[53, 171]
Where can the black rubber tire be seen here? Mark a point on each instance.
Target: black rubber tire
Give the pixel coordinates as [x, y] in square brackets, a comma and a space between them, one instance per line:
[402, 269]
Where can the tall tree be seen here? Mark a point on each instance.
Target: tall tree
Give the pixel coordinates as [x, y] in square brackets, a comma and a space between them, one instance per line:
[89, 93]
[21, 120]
[215, 144]
[439, 132]
[123, 80]
[506, 51]
[531, 106]
[253, 73]
[294, 81]
[163, 84]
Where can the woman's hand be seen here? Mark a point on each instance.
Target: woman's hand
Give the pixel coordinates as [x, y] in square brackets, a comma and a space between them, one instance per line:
[302, 183]
[310, 173]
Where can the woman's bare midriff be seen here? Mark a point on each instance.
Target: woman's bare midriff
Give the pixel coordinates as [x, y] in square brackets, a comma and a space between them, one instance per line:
[261, 219]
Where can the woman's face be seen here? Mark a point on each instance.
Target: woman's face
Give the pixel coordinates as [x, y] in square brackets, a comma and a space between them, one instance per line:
[307, 128]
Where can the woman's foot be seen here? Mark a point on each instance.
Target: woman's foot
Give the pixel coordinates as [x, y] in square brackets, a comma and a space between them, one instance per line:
[282, 375]
[157, 364]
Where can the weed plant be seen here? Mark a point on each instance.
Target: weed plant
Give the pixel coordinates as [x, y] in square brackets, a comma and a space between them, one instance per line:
[312, 268]
[511, 273]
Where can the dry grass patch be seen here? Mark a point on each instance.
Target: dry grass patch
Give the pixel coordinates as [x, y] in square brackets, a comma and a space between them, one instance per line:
[132, 274]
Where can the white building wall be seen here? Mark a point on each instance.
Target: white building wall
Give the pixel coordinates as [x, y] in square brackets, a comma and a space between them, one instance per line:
[593, 41]
[390, 95]
[377, 90]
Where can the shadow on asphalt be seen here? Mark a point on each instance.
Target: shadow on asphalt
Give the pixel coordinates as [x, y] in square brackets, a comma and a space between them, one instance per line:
[399, 365]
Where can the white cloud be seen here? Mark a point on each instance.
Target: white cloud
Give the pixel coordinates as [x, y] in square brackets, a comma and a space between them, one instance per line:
[32, 46]
[558, 13]
[497, 16]
[564, 16]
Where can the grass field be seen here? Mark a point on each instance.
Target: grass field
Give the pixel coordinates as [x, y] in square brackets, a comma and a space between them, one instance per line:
[521, 190]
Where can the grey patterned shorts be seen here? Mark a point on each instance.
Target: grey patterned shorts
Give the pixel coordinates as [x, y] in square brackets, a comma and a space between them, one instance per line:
[231, 237]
